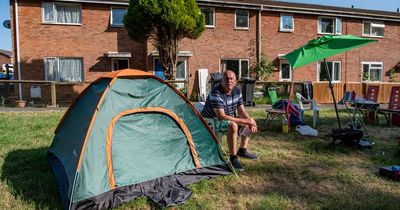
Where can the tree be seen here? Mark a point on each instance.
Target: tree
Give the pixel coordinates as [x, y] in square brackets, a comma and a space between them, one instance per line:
[164, 23]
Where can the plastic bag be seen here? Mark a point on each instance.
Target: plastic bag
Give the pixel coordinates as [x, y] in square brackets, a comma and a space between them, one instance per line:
[306, 130]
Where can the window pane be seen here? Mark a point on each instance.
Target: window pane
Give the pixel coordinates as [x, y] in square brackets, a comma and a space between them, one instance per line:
[70, 70]
[326, 25]
[209, 15]
[48, 12]
[338, 25]
[375, 75]
[377, 31]
[242, 18]
[367, 28]
[68, 13]
[287, 22]
[285, 71]
[50, 67]
[336, 75]
[118, 16]
[365, 75]
[244, 64]
[234, 66]
[376, 65]
[323, 76]
[180, 70]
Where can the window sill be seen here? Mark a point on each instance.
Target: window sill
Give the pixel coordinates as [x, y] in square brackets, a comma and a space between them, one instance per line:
[210, 26]
[320, 33]
[117, 26]
[286, 31]
[63, 24]
[242, 29]
[369, 36]
[328, 81]
[285, 80]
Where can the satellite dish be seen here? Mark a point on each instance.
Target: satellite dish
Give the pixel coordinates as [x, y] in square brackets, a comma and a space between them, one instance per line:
[7, 24]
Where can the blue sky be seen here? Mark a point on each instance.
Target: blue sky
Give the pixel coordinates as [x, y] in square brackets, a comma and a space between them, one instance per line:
[386, 5]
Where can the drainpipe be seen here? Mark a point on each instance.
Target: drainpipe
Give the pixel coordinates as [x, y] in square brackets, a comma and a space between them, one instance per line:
[17, 46]
[258, 43]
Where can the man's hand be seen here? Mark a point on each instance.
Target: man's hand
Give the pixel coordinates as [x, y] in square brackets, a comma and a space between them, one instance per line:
[253, 125]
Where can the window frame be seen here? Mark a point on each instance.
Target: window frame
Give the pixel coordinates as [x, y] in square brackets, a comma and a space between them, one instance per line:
[248, 20]
[55, 13]
[180, 59]
[213, 16]
[116, 59]
[370, 28]
[369, 71]
[281, 29]
[333, 70]
[335, 25]
[240, 65]
[280, 71]
[58, 67]
[111, 16]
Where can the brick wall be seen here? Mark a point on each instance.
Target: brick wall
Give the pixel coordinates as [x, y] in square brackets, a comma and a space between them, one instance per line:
[90, 41]
[95, 37]
[4, 59]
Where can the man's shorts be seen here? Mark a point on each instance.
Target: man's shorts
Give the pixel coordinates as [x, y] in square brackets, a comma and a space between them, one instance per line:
[221, 125]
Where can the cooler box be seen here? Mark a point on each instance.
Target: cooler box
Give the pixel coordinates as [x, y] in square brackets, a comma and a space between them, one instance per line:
[387, 172]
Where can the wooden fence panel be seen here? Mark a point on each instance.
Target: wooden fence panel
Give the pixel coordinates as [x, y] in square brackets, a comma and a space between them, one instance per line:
[322, 93]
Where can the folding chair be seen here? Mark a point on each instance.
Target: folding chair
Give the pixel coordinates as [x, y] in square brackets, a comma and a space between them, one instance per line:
[392, 113]
[312, 107]
[271, 112]
[211, 122]
[372, 95]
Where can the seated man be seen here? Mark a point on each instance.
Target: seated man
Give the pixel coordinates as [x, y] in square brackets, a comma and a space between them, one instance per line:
[221, 103]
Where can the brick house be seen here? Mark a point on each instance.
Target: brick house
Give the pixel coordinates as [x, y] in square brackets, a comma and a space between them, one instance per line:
[5, 58]
[76, 41]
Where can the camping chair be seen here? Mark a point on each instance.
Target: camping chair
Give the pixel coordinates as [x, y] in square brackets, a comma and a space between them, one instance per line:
[271, 112]
[210, 121]
[372, 93]
[312, 106]
[392, 113]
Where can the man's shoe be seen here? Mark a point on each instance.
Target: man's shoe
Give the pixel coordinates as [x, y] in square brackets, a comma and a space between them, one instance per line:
[247, 155]
[236, 165]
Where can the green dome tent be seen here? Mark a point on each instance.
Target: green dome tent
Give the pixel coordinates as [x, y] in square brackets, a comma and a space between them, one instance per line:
[129, 134]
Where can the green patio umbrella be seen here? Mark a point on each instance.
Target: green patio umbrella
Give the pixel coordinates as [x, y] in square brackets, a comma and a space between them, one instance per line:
[321, 48]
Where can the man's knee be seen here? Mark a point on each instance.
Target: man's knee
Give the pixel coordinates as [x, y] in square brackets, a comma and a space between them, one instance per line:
[233, 126]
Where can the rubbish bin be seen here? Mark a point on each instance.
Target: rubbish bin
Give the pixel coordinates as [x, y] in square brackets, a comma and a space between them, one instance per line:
[307, 90]
[248, 91]
[215, 80]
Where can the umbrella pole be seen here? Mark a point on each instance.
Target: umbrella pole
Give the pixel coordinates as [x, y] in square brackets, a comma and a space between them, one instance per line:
[333, 94]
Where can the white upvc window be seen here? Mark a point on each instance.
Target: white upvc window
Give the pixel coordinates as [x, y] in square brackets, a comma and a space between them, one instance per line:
[286, 23]
[239, 66]
[373, 29]
[63, 69]
[285, 71]
[117, 16]
[241, 19]
[181, 68]
[61, 13]
[329, 25]
[371, 71]
[334, 67]
[209, 14]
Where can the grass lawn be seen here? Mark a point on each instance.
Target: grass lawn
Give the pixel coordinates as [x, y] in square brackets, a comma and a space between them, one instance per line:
[293, 172]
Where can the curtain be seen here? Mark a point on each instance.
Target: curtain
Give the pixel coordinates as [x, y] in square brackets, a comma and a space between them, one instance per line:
[70, 70]
[48, 12]
[68, 14]
[50, 66]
